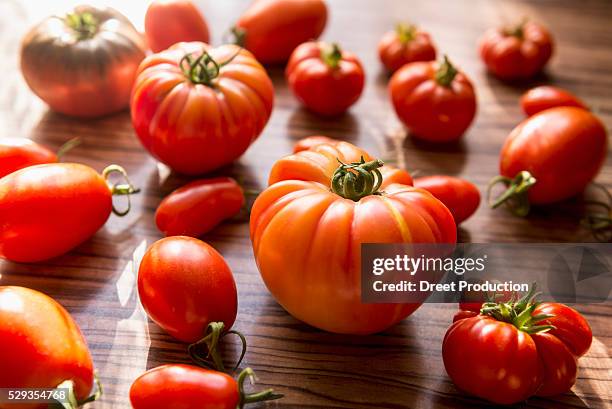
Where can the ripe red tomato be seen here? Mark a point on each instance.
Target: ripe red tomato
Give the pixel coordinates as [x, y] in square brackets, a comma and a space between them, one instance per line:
[168, 22]
[196, 108]
[19, 153]
[272, 29]
[47, 210]
[506, 357]
[40, 345]
[184, 284]
[544, 97]
[516, 53]
[326, 79]
[435, 101]
[199, 206]
[406, 44]
[310, 142]
[189, 387]
[460, 196]
[551, 156]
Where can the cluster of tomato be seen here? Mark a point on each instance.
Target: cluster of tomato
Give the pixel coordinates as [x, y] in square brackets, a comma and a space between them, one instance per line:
[196, 108]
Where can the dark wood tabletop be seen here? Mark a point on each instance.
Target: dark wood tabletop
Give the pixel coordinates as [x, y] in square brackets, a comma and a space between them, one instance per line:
[399, 368]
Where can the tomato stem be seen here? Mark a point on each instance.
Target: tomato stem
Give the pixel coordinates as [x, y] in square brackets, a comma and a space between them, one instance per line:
[84, 24]
[71, 401]
[446, 73]
[515, 195]
[68, 146]
[264, 395]
[405, 32]
[331, 54]
[238, 35]
[358, 179]
[210, 343]
[517, 31]
[120, 189]
[203, 69]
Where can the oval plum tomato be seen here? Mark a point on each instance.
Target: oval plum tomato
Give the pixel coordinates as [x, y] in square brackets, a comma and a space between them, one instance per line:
[40, 345]
[307, 240]
[188, 387]
[47, 210]
[19, 153]
[326, 79]
[549, 157]
[460, 196]
[168, 22]
[199, 206]
[514, 350]
[197, 108]
[272, 29]
[544, 97]
[435, 101]
[516, 53]
[406, 44]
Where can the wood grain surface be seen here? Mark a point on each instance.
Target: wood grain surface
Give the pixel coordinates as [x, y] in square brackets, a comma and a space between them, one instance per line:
[400, 368]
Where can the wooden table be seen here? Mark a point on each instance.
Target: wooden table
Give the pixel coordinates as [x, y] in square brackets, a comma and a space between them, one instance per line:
[400, 368]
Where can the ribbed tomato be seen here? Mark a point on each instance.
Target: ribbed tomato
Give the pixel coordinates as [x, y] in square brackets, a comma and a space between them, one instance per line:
[407, 43]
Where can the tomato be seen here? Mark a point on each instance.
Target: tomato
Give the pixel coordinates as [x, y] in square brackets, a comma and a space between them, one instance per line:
[506, 355]
[307, 238]
[404, 45]
[40, 345]
[83, 64]
[272, 29]
[326, 79]
[309, 142]
[544, 97]
[516, 53]
[168, 22]
[19, 153]
[550, 156]
[435, 101]
[199, 206]
[188, 387]
[47, 210]
[319, 163]
[460, 196]
[197, 108]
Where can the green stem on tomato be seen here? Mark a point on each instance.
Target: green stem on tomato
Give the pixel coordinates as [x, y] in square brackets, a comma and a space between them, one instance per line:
[405, 32]
[331, 54]
[120, 189]
[264, 395]
[205, 352]
[84, 24]
[68, 146]
[71, 401]
[517, 31]
[356, 180]
[515, 195]
[238, 35]
[203, 69]
[446, 73]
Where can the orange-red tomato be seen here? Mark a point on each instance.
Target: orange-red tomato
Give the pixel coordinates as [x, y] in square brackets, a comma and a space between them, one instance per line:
[272, 29]
[546, 96]
[199, 206]
[435, 101]
[309, 142]
[516, 53]
[197, 108]
[326, 79]
[459, 195]
[40, 345]
[168, 22]
[19, 153]
[405, 44]
[184, 284]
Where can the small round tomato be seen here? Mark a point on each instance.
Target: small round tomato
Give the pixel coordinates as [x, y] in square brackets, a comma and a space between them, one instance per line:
[168, 22]
[516, 53]
[199, 206]
[435, 101]
[544, 97]
[460, 196]
[19, 153]
[326, 79]
[406, 44]
[189, 387]
[40, 345]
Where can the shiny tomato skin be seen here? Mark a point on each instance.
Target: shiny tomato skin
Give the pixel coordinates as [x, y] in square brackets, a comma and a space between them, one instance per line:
[563, 148]
[195, 128]
[560, 366]
[274, 28]
[323, 89]
[199, 206]
[570, 326]
[168, 22]
[40, 345]
[431, 111]
[395, 53]
[184, 387]
[516, 57]
[47, 210]
[184, 284]
[491, 359]
[459, 195]
[546, 96]
[19, 153]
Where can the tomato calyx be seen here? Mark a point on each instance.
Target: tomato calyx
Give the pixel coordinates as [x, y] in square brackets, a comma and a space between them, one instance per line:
[446, 73]
[205, 352]
[331, 54]
[237, 36]
[358, 179]
[120, 189]
[515, 195]
[264, 395]
[84, 24]
[203, 69]
[71, 402]
[517, 31]
[519, 313]
[405, 32]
